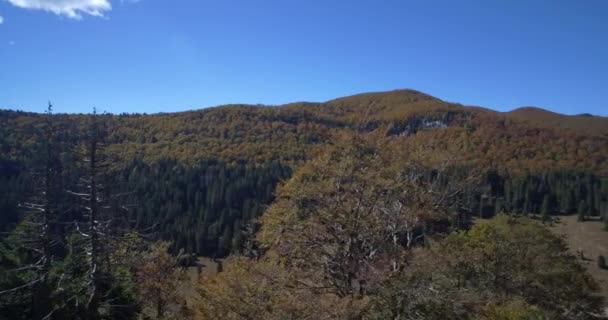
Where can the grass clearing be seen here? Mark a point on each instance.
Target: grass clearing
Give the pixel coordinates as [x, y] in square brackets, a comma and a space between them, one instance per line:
[587, 240]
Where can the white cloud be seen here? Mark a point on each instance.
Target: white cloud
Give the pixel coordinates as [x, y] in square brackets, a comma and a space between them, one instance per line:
[70, 8]
[1, 20]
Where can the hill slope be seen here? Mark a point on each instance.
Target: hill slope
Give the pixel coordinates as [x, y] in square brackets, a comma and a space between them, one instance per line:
[201, 177]
[547, 119]
[524, 139]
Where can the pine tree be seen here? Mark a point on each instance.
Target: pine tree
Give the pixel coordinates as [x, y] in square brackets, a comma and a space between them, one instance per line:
[45, 204]
[498, 206]
[508, 198]
[568, 206]
[582, 210]
[225, 241]
[36, 234]
[597, 200]
[545, 208]
[95, 225]
[237, 237]
[99, 223]
[604, 212]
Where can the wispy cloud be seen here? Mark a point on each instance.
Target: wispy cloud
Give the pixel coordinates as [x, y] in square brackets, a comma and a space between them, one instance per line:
[1, 20]
[74, 9]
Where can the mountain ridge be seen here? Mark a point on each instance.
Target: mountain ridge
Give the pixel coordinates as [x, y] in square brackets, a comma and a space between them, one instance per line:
[412, 95]
[529, 139]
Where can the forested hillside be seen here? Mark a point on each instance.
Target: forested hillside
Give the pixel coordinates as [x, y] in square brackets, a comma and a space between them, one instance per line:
[362, 207]
[258, 134]
[370, 231]
[200, 177]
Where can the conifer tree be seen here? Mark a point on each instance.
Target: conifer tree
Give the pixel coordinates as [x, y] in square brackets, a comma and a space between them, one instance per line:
[582, 211]
[36, 234]
[100, 224]
[545, 208]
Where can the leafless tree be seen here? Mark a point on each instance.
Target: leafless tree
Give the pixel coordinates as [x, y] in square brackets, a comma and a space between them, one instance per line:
[96, 212]
[37, 231]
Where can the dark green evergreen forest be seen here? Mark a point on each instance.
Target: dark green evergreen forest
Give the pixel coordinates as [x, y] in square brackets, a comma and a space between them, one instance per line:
[206, 209]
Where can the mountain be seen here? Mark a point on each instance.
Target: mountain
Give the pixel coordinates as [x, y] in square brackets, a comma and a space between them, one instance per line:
[523, 139]
[372, 206]
[201, 176]
[547, 119]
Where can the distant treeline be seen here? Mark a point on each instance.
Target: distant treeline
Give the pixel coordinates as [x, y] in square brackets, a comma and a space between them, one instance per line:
[549, 194]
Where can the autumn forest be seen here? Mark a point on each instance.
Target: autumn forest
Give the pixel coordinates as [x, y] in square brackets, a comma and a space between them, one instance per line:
[386, 205]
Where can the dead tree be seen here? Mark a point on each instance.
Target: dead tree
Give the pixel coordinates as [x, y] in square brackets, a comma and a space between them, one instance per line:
[104, 219]
[37, 235]
[93, 224]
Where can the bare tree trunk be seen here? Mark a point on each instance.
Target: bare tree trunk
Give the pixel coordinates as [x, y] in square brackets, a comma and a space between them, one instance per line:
[94, 230]
[43, 206]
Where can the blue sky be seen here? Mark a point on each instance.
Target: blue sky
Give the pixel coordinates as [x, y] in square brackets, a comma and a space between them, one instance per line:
[171, 55]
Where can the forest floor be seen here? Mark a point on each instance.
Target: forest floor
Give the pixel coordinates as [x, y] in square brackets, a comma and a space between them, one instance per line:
[587, 240]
